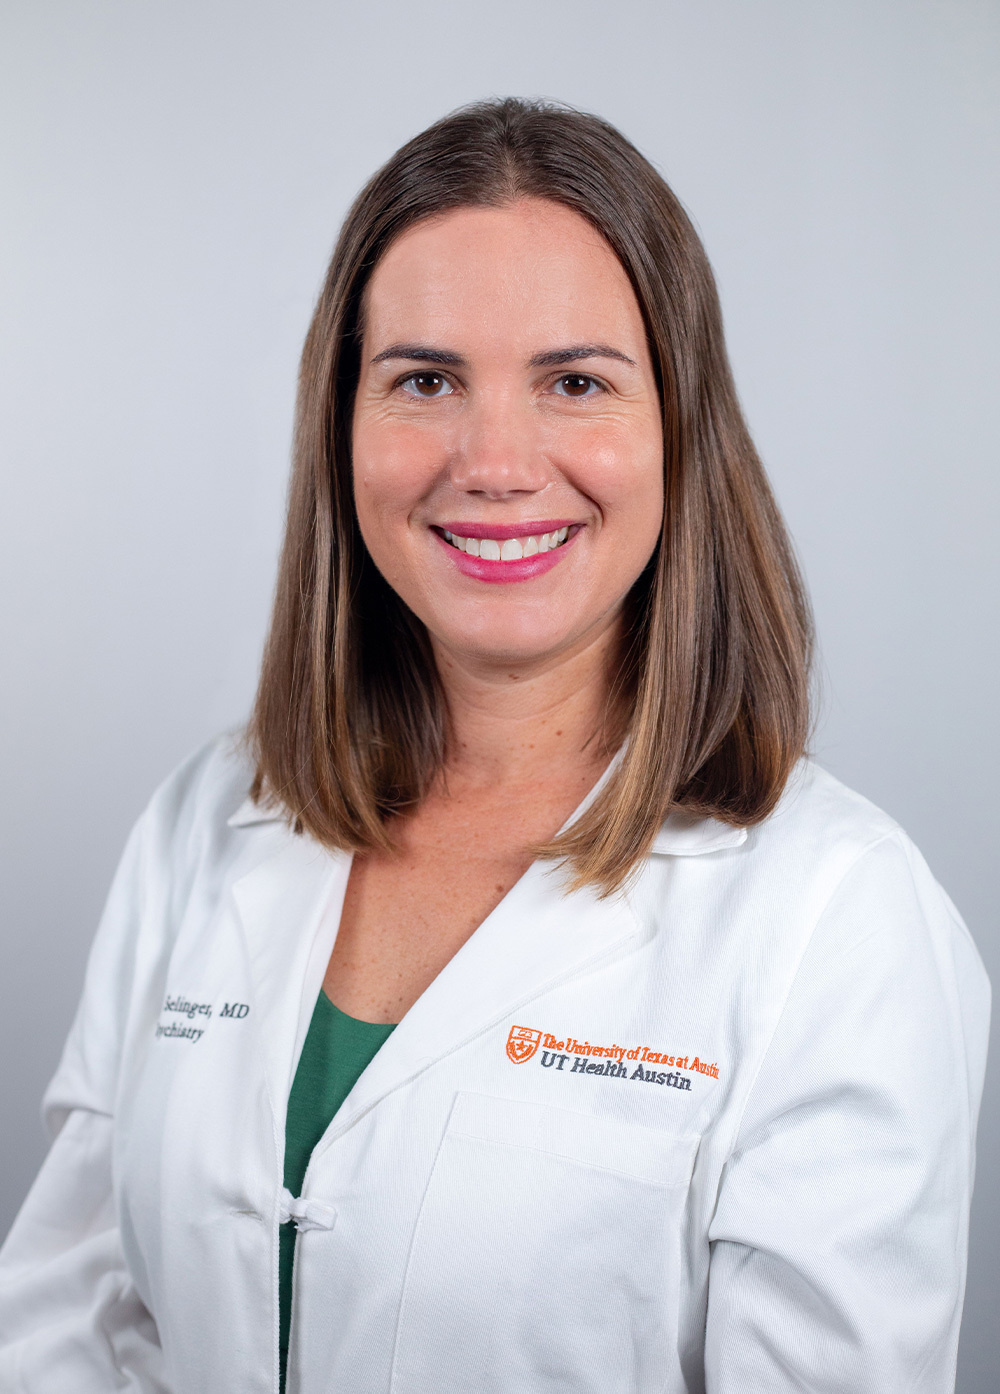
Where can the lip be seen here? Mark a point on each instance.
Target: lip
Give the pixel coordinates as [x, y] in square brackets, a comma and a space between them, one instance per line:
[501, 572]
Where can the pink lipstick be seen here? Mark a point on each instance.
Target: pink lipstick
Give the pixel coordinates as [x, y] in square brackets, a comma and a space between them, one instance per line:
[496, 552]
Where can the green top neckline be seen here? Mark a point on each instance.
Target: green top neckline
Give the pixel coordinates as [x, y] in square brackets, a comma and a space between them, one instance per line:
[328, 1001]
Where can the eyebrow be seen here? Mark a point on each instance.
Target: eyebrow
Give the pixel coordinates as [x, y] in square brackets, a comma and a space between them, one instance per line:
[421, 353]
[551, 358]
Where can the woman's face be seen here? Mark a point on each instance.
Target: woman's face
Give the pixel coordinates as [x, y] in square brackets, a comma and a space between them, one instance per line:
[507, 442]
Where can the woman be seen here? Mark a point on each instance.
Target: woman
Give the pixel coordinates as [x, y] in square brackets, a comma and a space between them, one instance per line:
[524, 1012]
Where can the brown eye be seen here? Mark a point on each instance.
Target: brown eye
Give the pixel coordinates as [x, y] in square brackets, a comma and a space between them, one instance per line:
[575, 385]
[426, 385]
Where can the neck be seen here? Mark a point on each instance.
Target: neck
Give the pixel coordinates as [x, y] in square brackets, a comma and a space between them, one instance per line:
[518, 725]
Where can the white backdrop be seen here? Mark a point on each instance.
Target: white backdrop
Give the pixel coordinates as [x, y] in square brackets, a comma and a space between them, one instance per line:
[174, 176]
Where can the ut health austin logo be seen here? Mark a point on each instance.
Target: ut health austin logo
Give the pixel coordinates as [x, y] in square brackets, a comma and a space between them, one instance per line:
[522, 1043]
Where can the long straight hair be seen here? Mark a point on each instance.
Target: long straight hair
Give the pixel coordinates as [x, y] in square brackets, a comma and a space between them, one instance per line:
[710, 708]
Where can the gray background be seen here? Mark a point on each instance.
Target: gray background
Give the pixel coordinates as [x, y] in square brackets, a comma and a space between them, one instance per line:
[174, 176]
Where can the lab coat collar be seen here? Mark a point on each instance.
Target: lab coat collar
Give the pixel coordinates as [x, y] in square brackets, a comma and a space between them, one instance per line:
[250, 813]
[682, 835]
[287, 905]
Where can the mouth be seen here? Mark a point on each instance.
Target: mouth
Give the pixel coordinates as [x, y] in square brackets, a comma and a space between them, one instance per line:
[512, 552]
[508, 548]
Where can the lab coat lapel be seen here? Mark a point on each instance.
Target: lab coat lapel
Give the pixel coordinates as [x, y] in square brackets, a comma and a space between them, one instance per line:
[288, 906]
[537, 936]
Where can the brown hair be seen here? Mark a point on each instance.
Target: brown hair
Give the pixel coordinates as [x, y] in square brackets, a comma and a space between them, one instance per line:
[350, 724]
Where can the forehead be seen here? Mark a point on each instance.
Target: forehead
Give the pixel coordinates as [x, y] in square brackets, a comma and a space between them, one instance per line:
[528, 269]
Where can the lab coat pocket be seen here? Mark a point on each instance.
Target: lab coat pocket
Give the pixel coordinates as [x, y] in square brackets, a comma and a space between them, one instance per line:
[545, 1256]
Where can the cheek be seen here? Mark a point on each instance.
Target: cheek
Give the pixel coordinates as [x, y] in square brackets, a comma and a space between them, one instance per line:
[625, 480]
[392, 468]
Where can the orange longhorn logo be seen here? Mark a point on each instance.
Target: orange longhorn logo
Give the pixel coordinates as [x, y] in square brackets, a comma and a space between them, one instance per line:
[522, 1043]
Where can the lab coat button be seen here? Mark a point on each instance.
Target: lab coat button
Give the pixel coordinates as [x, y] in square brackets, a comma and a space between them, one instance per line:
[307, 1214]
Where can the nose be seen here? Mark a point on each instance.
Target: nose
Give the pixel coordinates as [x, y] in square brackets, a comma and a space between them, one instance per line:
[498, 450]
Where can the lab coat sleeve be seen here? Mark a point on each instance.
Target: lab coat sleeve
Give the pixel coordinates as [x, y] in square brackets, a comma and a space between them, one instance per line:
[70, 1317]
[839, 1239]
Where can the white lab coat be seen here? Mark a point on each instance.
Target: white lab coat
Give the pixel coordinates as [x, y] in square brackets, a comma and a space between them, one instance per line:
[778, 1202]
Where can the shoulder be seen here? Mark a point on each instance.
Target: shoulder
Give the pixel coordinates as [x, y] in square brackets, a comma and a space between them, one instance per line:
[791, 862]
[820, 818]
[818, 828]
[211, 783]
[206, 789]
[821, 838]
[827, 837]
[866, 890]
[196, 815]
[825, 871]
[181, 848]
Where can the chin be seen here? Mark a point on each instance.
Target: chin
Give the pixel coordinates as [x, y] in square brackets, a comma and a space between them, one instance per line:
[502, 640]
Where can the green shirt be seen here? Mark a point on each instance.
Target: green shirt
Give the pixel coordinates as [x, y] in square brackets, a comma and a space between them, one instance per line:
[337, 1049]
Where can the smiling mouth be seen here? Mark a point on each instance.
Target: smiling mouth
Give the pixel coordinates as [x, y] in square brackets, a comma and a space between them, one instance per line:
[508, 548]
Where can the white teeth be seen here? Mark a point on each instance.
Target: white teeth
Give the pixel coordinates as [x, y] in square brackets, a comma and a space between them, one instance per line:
[511, 548]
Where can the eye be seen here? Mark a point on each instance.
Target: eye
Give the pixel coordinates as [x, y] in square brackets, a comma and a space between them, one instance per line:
[576, 385]
[426, 385]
